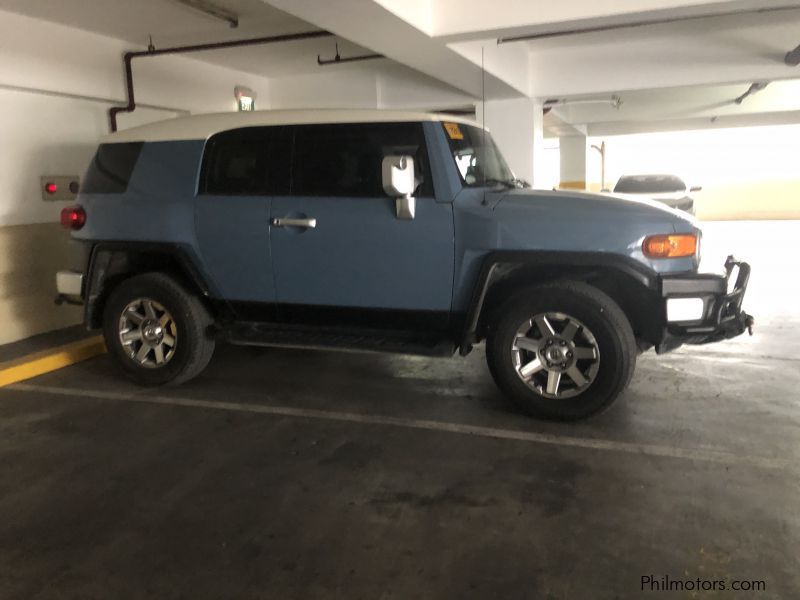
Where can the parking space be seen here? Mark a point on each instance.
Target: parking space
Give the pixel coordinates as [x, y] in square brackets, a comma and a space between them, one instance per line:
[555, 190]
[302, 473]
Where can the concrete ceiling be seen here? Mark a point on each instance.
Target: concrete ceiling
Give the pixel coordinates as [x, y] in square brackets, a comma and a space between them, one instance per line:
[171, 24]
[460, 20]
[684, 72]
[686, 107]
[717, 50]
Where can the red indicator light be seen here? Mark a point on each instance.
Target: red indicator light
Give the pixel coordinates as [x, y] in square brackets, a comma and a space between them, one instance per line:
[50, 188]
[73, 217]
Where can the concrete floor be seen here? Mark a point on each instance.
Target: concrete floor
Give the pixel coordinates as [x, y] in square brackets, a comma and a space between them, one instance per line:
[306, 474]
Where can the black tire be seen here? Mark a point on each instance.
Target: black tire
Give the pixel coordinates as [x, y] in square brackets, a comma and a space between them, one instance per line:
[190, 320]
[599, 314]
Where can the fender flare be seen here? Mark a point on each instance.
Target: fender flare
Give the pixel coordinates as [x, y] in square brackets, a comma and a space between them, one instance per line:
[642, 274]
[101, 261]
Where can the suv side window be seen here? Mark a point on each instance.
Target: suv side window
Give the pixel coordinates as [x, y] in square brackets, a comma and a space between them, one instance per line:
[253, 161]
[345, 159]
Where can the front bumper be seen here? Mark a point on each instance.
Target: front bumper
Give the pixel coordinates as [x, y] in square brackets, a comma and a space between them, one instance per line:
[717, 306]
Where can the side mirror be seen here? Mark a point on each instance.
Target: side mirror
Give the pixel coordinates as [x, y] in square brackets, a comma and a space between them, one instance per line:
[399, 183]
[696, 188]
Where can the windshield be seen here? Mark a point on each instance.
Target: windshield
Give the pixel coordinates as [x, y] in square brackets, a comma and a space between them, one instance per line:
[652, 184]
[478, 160]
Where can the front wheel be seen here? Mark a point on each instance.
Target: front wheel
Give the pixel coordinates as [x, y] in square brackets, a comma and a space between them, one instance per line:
[561, 351]
[156, 330]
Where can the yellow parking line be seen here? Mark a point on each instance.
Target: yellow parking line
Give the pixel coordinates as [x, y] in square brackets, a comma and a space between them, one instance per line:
[39, 363]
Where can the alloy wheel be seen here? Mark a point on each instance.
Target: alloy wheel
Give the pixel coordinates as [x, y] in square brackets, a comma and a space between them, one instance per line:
[148, 333]
[556, 355]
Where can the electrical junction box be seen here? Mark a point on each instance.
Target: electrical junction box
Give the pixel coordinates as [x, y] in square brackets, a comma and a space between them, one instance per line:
[60, 187]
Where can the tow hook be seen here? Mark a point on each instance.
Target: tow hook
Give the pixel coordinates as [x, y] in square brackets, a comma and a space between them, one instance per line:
[749, 321]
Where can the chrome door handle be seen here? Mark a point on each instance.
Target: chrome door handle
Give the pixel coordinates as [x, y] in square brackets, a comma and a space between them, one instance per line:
[285, 222]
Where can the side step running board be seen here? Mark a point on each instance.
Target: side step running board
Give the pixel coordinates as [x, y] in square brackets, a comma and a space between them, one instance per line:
[260, 334]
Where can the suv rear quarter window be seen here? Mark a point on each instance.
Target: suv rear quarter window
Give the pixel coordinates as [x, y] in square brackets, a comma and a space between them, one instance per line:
[111, 168]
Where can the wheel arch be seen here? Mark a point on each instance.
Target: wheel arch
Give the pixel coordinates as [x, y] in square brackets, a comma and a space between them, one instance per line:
[633, 286]
[111, 263]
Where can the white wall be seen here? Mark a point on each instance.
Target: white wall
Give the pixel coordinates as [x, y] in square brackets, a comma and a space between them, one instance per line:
[402, 88]
[44, 131]
[332, 88]
[56, 86]
[46, 55]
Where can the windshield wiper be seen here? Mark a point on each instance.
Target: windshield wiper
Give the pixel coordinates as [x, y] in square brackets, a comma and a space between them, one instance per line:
[509, 183]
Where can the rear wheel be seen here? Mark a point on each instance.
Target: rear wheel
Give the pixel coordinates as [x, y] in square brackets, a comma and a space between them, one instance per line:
[561, 351]
[156, 330]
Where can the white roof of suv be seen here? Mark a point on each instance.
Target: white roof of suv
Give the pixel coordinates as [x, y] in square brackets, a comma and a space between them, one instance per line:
[201, 127]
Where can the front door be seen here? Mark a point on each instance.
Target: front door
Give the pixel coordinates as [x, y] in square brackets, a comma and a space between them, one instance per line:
[359, 265]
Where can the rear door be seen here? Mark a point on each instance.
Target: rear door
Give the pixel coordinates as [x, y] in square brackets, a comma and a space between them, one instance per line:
[361, 265]
[243, 171]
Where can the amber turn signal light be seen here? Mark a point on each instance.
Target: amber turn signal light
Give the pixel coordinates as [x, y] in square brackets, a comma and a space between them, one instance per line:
[673, 245]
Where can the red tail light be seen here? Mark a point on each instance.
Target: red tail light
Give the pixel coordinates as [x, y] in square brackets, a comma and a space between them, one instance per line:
[73, 217]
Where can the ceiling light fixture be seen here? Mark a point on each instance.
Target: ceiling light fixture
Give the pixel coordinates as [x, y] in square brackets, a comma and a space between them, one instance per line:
[223, 14]
[614, 101]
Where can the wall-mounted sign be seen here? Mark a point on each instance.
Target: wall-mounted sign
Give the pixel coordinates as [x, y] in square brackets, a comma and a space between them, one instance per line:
[245, 98]
[59, 187]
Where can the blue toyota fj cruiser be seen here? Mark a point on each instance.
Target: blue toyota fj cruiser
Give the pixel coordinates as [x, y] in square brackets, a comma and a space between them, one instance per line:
[376, 230]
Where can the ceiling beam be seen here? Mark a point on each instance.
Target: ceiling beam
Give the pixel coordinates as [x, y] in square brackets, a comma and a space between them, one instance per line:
[370, 25]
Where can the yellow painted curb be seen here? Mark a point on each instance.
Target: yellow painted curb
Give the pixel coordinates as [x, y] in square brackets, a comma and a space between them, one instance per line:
[50, 360]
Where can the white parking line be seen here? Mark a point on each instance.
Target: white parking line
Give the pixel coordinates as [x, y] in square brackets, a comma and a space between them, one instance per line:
[692, 454]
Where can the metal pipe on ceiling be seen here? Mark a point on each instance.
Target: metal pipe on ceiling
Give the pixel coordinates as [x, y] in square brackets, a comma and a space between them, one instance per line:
[130, 56]
[642, 23]
[338, 58]
[335, 61]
